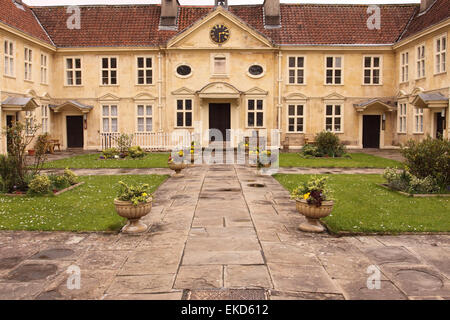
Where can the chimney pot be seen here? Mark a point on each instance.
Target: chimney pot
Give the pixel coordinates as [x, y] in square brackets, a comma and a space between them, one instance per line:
[169, 12]
[425, 4]
[272, 13]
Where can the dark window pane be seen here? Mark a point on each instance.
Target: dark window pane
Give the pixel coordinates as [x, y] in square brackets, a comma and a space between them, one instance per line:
[251, 104]
[149, 76]
[329, 62]
[291, 62]
[69, 63]
[329, 110]
[140, 62]
[291, 121]
[300, 128]
[259, 119]
[259, 105]
[179, 104]
[300, 62]
[367, 62]
[184, 70]
[299, 110]
[188, 119]
[292, 110]
[149, 62]
[337, 110]
[376, 62]
[113, 63]
[77, 63]
[291, 128]
[179, 119]
[251, 119]
[291, 76]
[188, 104]
[256, 70]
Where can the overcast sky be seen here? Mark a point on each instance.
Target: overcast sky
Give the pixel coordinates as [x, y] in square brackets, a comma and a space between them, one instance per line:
[203, 2]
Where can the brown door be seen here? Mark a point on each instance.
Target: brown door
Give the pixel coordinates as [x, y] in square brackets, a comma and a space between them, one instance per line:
[440, 122]
[220, 118]
[371, 131]
[75, 138]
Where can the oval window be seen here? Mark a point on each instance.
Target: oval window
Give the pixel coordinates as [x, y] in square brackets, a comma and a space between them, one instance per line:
[255, 70]
[184, 70]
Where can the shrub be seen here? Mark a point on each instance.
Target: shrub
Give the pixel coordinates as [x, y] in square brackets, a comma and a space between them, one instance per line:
[430, 157]
[407, 182]
[328, 144]
[40, 185]
[110, 153]
[311, 151]
[7, 172]
[135, 194]
[136, 152]
[59, 182]
[71, 177]
[124, 142]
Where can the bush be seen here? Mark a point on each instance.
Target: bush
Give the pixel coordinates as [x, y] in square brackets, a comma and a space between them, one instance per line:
[7, 172]
[59, 182]
[311, 151]
[40, 185]
[71, 177]
[136, 152]
[407, 182]
[429, 158]
[125, 142]
[110, 153]
[328, 144]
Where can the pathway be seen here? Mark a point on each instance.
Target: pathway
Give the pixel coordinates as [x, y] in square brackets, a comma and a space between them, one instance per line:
[222, 232]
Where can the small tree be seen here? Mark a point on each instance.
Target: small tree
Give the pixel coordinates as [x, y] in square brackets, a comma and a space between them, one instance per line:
[124, 142]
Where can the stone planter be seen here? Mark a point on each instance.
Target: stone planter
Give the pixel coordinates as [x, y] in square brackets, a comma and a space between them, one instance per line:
[177, 167]
[313, 214]
[133, 213]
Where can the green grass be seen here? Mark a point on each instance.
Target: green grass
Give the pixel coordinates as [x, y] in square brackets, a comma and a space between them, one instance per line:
[363, 206]
[357, 160]
[87, 208]
[92, 161]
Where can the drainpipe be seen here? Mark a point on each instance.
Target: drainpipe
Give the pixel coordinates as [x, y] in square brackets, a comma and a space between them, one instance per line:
[160, 106]
[280, 101]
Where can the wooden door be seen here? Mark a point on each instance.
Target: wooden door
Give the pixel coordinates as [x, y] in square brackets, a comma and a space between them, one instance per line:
[371, 131]
[75, 137]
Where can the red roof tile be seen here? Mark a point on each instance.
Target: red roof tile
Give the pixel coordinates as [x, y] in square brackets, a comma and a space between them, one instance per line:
[21, 19]
[302, 24]
[438, 12]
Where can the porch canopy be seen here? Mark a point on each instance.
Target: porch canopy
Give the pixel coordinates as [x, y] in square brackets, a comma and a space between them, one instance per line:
[430, 100]
[219, 90]
[385, 103]
[72, 104]
[17, 104]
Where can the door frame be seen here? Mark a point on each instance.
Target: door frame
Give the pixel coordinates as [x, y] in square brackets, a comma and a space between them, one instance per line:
[434, 123]
[64, 127]
[361, 129]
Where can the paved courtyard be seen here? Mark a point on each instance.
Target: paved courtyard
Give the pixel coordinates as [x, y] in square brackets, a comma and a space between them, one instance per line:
[220, 232]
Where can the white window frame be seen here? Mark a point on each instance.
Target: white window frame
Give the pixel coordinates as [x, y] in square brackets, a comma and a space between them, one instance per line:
[334, 117]
[145, 69]
[184, 111]
[296, 70]
[29, 119]
[145, 116]
[418, 120]
[44, 68]
[404, 67]
[28, 64]
[334, 69]
[402, 117]
[9, 69]
[255, 112]
[45, 118]
[420, 61]
[440, 55]
[372, 70]
[109, 71]
[74, 71]
[296, 116]
[110, 117]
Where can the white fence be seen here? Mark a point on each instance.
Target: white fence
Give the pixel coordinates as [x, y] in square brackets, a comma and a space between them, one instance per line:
[156, 141]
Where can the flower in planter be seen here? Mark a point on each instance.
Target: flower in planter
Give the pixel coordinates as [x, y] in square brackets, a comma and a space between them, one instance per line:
[136, 194]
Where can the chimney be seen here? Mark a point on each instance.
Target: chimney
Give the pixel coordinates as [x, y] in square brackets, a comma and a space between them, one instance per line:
[222, 3]
[272, 13]
[169, 12]
[425, 4]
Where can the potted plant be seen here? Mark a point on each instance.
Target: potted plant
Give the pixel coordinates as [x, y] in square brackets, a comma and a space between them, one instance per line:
[192, 152]
[133, 203]
[31, 152]
[177, 166]
[314, 202]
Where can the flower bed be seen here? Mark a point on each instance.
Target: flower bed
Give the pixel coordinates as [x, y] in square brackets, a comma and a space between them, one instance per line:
[55, 192]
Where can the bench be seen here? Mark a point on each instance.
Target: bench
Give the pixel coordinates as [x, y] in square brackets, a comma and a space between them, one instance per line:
[52, 143]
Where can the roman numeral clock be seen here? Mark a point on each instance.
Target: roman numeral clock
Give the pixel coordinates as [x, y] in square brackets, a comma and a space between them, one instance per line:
[220, 34]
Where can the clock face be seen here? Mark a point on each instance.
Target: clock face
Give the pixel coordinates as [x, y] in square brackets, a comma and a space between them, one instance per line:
[220, 33]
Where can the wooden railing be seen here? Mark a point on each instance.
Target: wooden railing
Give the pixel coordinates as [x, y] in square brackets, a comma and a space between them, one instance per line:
[155, 141]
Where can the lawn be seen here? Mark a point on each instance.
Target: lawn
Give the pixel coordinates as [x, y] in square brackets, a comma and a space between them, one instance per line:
[86, 208]
[357, 160]
[92, 161]
[363, 206]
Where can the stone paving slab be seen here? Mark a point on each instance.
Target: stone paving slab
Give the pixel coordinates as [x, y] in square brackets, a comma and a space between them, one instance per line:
[211, 233]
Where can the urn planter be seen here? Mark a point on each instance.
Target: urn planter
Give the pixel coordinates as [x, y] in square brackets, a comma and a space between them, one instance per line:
[133, 213]
[313, 214]
[177, 167]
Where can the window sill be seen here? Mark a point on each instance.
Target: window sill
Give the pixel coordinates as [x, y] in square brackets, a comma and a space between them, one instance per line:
[418, 133]
[8, 76]
[29, 81]
[109, 85]
[44, 84]
[332, 84]
[296, 84]
[145, 85]
[440, 73]
[220, 76]
[372, 84]
[419, 79]
[73, 86]
[402, 133]
[404, 82]
[183, 128]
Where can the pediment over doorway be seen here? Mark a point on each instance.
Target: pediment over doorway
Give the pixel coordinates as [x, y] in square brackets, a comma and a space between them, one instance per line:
[219, 90]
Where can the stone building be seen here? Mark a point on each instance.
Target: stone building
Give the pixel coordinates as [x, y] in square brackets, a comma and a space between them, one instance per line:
[376, 76]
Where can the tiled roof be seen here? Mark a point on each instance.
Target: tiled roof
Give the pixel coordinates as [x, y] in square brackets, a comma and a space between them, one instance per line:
[21, 18]
[438, 12]
[302, 24]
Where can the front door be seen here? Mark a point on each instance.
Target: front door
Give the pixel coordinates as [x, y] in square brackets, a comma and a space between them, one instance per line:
[220, 118]
[75, 138]
[9, 123]
[371, 131]
[440, 121]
